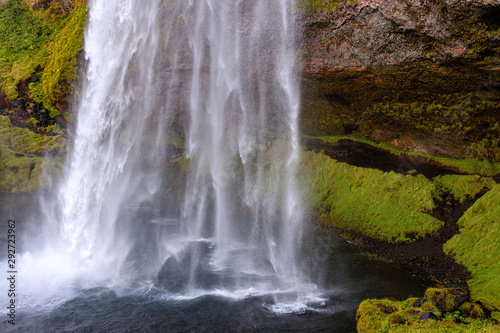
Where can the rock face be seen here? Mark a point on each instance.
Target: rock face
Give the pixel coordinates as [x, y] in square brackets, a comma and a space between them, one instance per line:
[380, 33]
[418, 75]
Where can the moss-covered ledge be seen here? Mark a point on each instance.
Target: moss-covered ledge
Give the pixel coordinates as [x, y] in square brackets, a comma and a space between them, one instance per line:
[25, 156]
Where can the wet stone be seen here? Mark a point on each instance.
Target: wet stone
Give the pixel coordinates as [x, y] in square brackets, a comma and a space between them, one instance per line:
[427, 316]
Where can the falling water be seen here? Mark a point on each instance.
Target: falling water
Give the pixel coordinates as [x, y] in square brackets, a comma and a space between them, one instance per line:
[220, 77]
[241, 194]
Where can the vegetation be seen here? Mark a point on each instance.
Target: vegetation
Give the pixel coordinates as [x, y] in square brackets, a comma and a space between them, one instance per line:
[450, 109]
[441, 310]
[469, 165]
[23, 36]
[477, 247]
[457, 114]
[22, 155]
[60, 64]
[318, 5]
[385, 206]
[47, 40]
[463, 186]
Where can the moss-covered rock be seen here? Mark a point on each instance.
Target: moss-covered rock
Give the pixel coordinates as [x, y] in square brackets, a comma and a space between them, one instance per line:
[441, 310]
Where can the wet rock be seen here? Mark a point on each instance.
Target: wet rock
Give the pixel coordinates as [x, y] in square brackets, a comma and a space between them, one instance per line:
[188, 267]
[336, 99]
[17, 103]
[173, 276]
[418, 303]
[428, 315]
[5, 103]
[61, 122]
[380, 64]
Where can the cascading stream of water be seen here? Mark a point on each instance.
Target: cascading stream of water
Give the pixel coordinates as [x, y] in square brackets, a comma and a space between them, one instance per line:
[243, 140]
[221, 76]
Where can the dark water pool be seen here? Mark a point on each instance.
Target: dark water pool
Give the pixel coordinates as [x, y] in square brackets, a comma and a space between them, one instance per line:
[345, 275]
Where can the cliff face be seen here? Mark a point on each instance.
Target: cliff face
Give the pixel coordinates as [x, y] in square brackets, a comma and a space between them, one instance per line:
[420, 75]
[379, 33]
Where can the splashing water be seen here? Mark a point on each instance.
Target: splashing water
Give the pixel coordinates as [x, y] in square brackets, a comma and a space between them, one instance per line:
[221, 78]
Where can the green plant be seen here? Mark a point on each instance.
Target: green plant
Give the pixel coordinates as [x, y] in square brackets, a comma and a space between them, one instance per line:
[23, 35]
[59, 67]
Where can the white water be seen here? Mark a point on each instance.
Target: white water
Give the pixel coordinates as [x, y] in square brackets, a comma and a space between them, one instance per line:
[226, 70]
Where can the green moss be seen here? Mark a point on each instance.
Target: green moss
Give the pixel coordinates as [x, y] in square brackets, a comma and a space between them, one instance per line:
[61, 63]
[318, 5]
[477, 247]
[468, 165]
[182, 163]
[386, 206]
[48, 39]
[23, 35]
[462, 186]
[32, 122]
[22, 157]
[401, 316]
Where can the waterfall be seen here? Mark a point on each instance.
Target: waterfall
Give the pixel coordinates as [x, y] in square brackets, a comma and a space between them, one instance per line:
[242, 137]
[220, 77]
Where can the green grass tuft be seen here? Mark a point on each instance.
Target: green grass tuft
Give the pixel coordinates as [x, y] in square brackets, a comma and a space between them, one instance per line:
[478, 247]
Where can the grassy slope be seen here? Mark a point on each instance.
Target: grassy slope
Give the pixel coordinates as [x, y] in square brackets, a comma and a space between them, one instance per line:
[386, 206]
[59, 68]
[23, 35]
[478, 247]
[463, 186]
